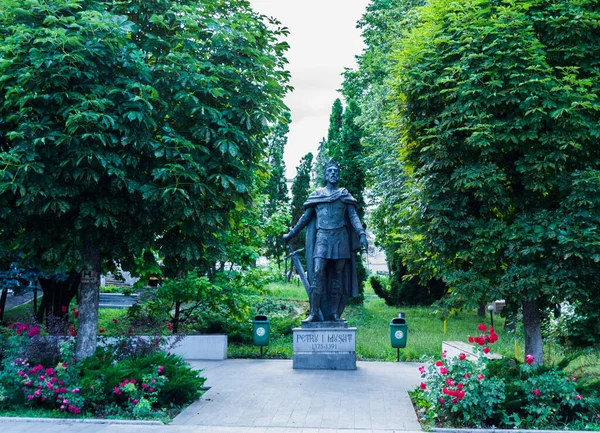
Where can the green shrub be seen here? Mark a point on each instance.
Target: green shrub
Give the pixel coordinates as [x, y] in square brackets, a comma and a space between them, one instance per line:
[102, 372]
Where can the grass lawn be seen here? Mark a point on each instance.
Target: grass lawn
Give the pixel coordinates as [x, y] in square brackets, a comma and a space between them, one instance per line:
[372, 319]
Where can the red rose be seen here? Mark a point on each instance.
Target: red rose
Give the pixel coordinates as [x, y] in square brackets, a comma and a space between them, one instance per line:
[115, 321]
[439, 364]
[486, 350]
[101, 330]
[459, 386]
[170, 326]
[441, 400]
[450, 382]
[63, 308]
[529, 359]
[443, 370]
[536, 392]
[422, 386]
[482, 327]
[480, 376]
[462, 356]
[470, 339]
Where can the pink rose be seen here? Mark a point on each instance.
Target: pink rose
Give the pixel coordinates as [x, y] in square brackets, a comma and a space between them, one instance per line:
[529, 359]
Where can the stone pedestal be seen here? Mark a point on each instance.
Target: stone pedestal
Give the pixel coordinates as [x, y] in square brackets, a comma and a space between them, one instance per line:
[324, 346]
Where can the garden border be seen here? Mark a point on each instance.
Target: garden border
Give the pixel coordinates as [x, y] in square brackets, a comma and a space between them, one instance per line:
[499, 430]
[81, 420]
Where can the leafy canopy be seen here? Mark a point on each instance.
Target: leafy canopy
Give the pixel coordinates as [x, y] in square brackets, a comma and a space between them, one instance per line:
[131, 125]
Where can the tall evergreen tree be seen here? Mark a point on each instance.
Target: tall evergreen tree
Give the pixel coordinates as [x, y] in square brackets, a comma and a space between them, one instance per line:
[350, 156]
[301, 191]
[276, 188]
[334, 134]
[320, 161]
[276, 209]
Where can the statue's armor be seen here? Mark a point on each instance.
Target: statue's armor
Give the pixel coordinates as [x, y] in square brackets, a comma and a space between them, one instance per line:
[331, 215]
[332, 236]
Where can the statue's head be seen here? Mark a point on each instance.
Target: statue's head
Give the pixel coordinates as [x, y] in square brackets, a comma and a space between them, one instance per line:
[331, 172]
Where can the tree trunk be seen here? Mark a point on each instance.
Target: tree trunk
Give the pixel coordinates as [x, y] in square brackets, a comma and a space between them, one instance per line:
[88, 299]
[176, 318]
[481, 309]
[56, 295]
[3, 303]
[533, 330]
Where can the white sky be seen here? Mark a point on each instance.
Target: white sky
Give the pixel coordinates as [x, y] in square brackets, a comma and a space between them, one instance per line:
[323, 41]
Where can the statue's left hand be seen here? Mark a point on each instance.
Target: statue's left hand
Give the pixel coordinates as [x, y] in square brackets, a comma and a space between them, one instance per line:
[364, 245]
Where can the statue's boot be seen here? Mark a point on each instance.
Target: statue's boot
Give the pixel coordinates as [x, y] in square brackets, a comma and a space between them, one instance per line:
[315, 303]
[335, 307]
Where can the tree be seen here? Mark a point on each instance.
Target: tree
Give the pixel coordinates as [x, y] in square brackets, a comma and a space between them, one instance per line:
[320, 161]
[276, 190]
[499, 125]
[301, 191]
[130, 126]
[334, 133]
[371, 87]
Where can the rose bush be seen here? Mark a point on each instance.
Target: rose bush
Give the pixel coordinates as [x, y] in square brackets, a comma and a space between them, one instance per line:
[501, 392]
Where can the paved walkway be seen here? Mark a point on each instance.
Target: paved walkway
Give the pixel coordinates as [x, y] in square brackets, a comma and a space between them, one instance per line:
[268, 396]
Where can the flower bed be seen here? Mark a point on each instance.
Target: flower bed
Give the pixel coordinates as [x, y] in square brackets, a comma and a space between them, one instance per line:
[129, 379]
[503, 393]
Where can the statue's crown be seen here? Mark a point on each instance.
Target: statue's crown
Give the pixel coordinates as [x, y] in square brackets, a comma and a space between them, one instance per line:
[331, 163]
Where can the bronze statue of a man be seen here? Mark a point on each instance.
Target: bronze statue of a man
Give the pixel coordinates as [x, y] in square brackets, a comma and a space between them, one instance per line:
[334, 233]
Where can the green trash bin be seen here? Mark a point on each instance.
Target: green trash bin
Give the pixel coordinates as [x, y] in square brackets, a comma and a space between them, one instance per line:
[261, 330]
[398, 332]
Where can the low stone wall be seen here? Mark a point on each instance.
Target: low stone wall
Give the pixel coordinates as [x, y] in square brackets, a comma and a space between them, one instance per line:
[206, 347]
[211, 347]
[454, 348]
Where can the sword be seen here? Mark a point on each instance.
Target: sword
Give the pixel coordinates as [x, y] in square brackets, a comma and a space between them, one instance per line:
[299, 269]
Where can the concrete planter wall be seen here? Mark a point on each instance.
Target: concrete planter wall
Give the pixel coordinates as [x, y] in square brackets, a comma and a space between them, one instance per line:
[192, 347]
[211, 347]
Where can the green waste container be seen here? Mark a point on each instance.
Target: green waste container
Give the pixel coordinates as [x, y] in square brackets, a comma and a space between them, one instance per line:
[261, 330]
[398, 332]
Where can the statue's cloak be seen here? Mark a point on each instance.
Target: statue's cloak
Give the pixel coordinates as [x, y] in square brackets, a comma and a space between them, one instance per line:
[349, 279]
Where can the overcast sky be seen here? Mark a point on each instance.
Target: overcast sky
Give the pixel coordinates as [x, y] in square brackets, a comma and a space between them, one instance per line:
[323, 41]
